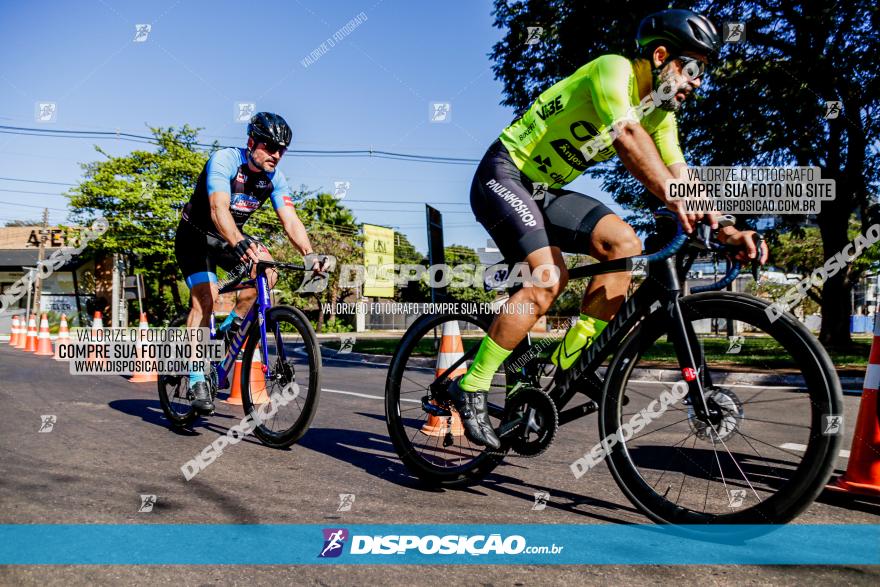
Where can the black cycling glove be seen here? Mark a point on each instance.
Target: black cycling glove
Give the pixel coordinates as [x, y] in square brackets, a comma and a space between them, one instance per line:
[241, 248]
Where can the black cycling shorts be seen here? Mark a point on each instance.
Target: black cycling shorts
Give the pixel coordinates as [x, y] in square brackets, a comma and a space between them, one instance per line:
[502, 200]
[200, 253]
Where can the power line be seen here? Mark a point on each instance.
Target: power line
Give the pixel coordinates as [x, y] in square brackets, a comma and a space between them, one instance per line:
[124, 136]
[36, 181]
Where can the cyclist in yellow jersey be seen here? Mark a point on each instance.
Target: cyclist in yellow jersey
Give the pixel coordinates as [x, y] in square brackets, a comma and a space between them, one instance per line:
[611, 105]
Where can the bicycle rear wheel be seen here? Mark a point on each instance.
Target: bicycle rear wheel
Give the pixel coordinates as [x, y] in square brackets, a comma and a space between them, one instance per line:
[295, 363]
[434, 448]
[771, 443]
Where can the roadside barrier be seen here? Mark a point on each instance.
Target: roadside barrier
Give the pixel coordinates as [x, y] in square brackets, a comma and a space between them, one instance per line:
[862, 474]
[31, 342]
[44, 343]
[63, 335]
[149, 376]
[451, 350]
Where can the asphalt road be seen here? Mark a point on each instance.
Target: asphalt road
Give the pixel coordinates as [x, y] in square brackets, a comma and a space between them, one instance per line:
[110, 444]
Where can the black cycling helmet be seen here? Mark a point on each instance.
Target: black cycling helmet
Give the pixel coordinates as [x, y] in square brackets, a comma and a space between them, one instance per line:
[680, 30]
[267, 127]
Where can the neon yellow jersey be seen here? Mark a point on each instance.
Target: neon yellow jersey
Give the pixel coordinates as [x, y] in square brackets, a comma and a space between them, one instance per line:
[546, 142]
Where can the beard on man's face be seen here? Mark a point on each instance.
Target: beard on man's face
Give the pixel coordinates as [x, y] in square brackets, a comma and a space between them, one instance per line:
[672, 79]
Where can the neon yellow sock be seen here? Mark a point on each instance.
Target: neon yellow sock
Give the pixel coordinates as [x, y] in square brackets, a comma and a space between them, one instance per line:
[489, 357]
[578, 337]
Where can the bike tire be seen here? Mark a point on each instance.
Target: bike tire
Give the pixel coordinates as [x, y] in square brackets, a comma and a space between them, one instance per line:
[178, 418]
[825, 397]
[309, 407]
[423, 469]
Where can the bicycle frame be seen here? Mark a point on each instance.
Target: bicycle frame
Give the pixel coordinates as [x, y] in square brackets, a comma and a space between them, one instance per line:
[257, 312]
[662, 286]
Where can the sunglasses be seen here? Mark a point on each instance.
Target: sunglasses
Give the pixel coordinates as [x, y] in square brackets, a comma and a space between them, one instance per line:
[691, 65]
[273, 148]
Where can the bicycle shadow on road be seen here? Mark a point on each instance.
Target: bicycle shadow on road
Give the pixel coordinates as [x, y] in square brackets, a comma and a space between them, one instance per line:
[360, 449]
[150, 411]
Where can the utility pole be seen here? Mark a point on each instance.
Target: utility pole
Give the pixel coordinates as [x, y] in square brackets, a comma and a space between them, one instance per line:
[41, 255]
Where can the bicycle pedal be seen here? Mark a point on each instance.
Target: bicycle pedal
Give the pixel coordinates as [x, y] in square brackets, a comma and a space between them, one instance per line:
[432, 408]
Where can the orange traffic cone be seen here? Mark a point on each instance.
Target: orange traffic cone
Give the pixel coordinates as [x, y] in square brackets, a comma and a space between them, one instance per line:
[257, 382]
[31, 344]
[863, 471]
[451, 350]
[97, 324]
[44, 344]
[149, 376]
[13, 340]
[63, 336]
[22, 333]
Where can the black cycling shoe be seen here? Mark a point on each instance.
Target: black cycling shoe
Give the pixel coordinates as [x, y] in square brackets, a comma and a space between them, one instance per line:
[201, 398]
[473, 407]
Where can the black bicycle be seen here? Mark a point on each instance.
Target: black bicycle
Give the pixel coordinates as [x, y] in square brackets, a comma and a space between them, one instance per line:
[279, 350]
[732, 447]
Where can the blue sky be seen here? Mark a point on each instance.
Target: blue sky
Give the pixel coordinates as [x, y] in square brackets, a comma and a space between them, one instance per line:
[373, 88]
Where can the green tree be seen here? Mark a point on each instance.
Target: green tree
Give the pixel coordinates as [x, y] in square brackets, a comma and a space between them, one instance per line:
[406, 254]
[139, 194]
[800, 251]
[461, 255]
[332, 230]
[763, 103]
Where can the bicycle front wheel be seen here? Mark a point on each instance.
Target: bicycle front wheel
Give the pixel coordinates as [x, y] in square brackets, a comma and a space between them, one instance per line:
[771, 439]
[283, 404]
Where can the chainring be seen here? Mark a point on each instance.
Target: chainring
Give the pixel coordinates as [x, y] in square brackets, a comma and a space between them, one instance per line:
[535, 422]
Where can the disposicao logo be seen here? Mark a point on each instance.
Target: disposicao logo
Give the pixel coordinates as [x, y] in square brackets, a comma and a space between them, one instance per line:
[334, 540]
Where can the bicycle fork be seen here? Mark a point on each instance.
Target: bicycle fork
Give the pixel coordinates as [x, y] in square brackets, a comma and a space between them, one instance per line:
[682, 335]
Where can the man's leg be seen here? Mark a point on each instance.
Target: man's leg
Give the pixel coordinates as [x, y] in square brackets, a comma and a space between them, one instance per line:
[612, 238]
[469, 393]
[246, 297]
[508, 329]
[202, 296]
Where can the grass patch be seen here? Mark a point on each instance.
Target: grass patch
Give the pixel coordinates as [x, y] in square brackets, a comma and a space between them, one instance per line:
[757, 352]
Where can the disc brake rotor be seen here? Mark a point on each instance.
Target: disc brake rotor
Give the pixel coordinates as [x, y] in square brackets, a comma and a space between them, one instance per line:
[730, 415]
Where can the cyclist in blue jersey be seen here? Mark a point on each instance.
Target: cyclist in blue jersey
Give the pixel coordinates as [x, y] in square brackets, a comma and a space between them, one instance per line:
[231, 187]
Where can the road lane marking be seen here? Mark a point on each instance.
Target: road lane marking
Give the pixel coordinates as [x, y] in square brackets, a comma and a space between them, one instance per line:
[354, 393]
[844, 454]
[748, 386]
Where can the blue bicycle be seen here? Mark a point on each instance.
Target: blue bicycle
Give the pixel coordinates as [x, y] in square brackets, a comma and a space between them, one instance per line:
[288, 354]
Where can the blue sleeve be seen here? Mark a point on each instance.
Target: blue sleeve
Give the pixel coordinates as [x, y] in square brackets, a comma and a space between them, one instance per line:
[221, 169]
[281, 195]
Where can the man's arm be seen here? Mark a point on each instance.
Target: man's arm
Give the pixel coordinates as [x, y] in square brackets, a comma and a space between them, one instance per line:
[226, 224]
[295, 230]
